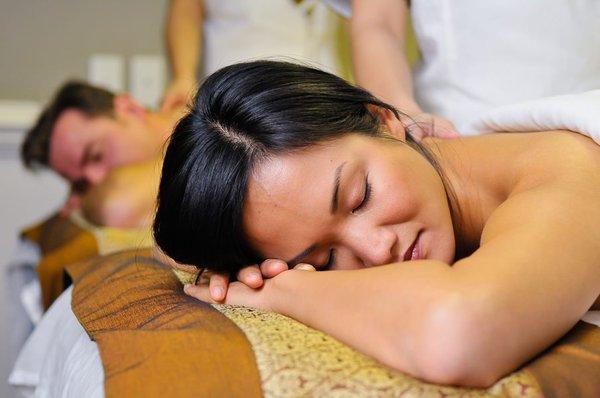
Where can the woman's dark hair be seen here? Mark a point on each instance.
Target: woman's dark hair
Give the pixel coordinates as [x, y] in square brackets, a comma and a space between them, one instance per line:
[241, 115]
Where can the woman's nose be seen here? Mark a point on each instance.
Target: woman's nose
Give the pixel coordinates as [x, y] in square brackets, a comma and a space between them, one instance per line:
[375, 246]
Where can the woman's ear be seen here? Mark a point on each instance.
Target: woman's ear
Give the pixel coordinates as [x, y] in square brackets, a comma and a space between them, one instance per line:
[126, 105]
[391, 123]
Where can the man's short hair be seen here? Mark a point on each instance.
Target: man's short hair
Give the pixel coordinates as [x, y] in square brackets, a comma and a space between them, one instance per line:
[92, 101]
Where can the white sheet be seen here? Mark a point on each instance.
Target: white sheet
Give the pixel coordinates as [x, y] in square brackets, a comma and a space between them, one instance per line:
[592, 317]
[576, 112]
[59, 359]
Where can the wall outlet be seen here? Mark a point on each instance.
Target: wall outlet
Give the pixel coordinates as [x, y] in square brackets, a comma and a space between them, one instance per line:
[107, 70]
[147, 79]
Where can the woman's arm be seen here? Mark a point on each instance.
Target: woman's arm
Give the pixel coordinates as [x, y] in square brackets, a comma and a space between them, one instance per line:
[378, 33]
[377, 30]
[535, 275]
[409, 316]
[183, 33]
[533, 278]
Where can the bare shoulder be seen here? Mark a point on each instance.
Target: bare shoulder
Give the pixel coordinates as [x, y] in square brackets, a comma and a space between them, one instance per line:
[559, 186]
[547, 229]
[564, 162]
[564, 150]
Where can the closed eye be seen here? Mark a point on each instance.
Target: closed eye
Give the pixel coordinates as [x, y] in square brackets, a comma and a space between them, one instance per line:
[366, 197]
[96, 157]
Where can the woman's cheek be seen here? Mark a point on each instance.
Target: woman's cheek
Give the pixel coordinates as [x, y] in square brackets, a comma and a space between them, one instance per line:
[347, 260]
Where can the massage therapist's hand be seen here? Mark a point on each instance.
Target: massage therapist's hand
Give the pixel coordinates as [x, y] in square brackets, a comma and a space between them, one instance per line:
[252, 276]
[178, 94]
[239, 293]
[424, 124]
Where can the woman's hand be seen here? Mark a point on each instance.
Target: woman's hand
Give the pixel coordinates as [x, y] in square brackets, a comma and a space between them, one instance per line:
[257, 295]
[178, 94]
[423, 125]
[252, 276]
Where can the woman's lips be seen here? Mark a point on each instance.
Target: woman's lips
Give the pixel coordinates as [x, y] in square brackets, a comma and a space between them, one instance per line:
[414, 250]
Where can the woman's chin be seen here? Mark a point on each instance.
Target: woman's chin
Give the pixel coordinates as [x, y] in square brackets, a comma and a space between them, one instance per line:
[437, 246]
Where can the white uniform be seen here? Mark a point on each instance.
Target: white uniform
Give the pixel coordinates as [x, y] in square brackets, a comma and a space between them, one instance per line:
[241, 30]
[480, 54]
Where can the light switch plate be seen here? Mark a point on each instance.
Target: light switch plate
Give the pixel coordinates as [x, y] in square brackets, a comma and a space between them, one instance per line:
[147, 79]
[107, 70]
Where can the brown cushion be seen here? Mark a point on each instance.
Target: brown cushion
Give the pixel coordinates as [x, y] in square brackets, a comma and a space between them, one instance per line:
[61, 242]
[154, 340]
[66, 240]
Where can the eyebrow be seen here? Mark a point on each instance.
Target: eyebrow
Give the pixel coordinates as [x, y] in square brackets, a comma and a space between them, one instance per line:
[293, 262]
[334, 206]
[336, 188]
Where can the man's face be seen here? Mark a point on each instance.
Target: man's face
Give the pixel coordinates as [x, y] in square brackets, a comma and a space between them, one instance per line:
[83, 149]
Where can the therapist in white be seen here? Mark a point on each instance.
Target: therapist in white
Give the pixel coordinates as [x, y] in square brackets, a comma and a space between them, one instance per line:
[205, 35]
[475, 55]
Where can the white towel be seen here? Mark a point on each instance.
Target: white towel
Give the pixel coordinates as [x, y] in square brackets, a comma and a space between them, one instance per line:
[592, 317]
[576, 112]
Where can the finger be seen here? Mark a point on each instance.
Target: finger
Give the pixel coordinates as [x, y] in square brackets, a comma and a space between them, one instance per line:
[199, 292]
[273, 267]
[218, 286]
[451, 135]
[448, 133]
[419, 134]
[305, 267]
[251, 276]
[418, 130]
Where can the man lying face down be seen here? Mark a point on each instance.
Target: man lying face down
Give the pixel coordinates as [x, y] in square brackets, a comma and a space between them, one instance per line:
[86, 131]
[126, 197]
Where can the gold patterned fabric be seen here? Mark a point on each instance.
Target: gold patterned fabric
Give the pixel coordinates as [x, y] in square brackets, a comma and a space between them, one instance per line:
[124, 294]
[295, 360]
[61, 242]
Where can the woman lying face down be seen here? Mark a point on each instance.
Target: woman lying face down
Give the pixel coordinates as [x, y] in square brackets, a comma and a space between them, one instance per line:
[456, 261]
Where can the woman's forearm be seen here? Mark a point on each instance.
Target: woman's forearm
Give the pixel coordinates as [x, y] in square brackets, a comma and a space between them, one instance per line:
[183, 30]
[378, 52]
[386, 312]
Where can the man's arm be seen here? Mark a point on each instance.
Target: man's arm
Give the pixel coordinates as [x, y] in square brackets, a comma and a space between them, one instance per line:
[184, 41]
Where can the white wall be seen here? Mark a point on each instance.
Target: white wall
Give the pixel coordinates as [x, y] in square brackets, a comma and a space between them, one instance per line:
[45, 42]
